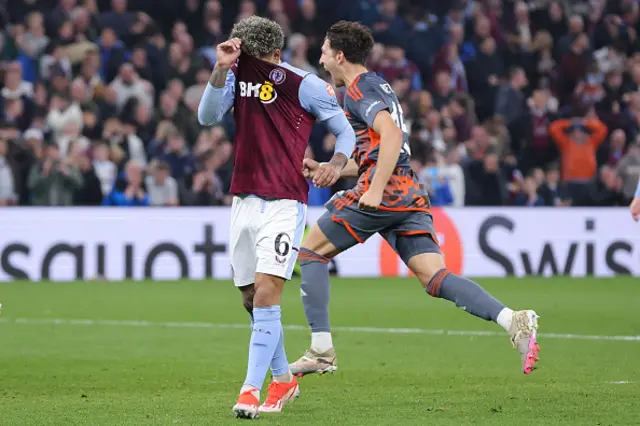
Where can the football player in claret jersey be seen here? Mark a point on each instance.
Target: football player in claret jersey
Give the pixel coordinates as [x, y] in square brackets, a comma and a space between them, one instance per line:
[388, 199]
[275, 107]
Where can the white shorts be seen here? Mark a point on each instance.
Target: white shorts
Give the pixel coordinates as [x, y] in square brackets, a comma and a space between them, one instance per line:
[265, 237]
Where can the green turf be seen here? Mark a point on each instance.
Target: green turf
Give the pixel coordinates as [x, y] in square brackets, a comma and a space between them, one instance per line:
[157, 375]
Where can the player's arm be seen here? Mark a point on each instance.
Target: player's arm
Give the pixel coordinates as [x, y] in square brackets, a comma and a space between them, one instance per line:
[219, 94]
[635, 204]
[345, 139]
[390, 147]
[317, 97]
[350, 170]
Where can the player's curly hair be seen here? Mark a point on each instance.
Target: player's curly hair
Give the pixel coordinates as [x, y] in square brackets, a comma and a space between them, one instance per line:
[260, 36]
[351, 38]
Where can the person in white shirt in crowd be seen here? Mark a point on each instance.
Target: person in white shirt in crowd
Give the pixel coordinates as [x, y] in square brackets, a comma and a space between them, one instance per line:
[65, 120]
[452, 172]
[162, 188]
[128, 84]
[105, 168]
[7, 188]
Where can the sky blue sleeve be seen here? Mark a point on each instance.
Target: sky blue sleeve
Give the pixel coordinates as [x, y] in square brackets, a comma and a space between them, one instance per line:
[317, 97]
[345, 135]
[638, 190]
[216, 101]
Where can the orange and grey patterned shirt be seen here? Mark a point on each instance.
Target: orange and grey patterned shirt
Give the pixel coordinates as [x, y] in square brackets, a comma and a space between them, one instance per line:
[366, 97]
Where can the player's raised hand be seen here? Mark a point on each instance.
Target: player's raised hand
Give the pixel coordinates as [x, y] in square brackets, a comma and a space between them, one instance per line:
[635, 209]
[370, 201]
[326, 175]
[309, 168]
[228, 52]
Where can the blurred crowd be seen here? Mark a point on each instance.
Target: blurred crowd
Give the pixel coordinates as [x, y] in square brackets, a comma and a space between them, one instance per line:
[526, 103]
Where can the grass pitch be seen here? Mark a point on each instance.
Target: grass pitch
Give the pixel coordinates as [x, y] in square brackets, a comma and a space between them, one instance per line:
[148, 354]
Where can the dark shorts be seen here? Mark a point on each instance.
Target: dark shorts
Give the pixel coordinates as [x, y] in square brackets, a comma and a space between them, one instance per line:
[409, 232]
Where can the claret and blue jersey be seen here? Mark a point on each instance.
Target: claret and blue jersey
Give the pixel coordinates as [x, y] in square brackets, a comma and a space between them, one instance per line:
[275, 108]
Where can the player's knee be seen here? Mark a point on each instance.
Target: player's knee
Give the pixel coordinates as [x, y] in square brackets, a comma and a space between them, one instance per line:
[268, 289]
[425, 266]
[318, 243]
[248, 293]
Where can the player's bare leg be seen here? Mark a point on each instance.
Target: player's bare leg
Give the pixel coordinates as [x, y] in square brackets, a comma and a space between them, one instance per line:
[522, 326]
[314, 255]
[248, 293]
[266, 350]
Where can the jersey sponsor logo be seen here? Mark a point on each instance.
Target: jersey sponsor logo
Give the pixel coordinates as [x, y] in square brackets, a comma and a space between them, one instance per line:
[263, 91]
[330, 91]
[278, 76]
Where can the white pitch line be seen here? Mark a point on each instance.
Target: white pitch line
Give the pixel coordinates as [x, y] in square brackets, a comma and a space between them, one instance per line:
[124, 323]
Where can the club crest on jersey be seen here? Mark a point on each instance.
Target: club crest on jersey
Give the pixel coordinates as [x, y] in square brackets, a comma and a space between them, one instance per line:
[278, 76]
[265, 91]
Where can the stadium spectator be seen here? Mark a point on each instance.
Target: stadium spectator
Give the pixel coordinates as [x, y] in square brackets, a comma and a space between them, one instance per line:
[436, 183]
[486, 184]
[53, 181]
[118, 18]
[529, 193]
[552, 190]
[129, 85]
[488, 69]
[540, 150]
[452, 172]
[7, 187]
[91, 192]
[177, 155]
[606, 190]
[617, 147]
[442, 92]
[395, 65]
[206, 186]
[511, 106]
[163, 189]
[115, 81]
[105, 170]
[129, 189]
[578, 141]
[629, 170]
[35, 39]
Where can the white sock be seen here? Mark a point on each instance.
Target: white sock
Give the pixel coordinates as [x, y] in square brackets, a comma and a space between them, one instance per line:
[321, 342]
[505, 317]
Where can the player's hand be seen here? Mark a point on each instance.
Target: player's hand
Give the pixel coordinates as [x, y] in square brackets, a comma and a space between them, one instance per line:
[228, 52]
[309, 168]
[326, 175]
[370, 201]
[635, 209]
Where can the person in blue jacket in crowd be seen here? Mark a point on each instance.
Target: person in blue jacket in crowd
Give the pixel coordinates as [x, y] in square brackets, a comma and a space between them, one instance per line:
[129, 188]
